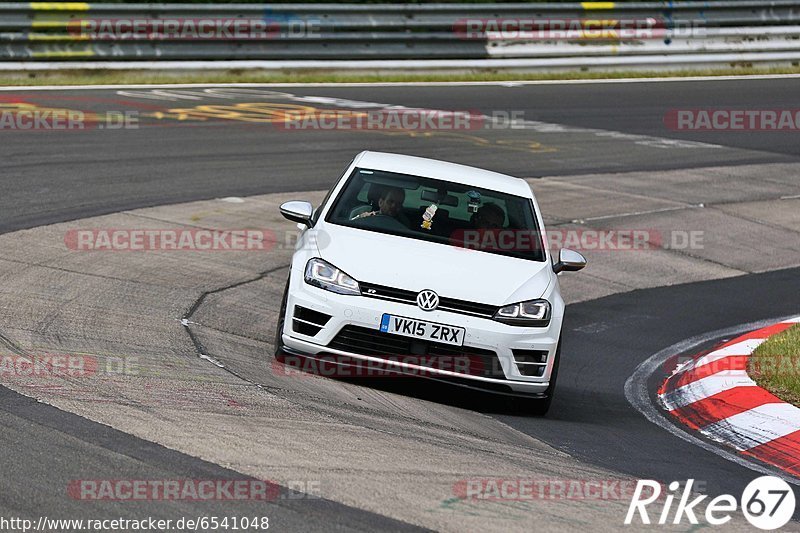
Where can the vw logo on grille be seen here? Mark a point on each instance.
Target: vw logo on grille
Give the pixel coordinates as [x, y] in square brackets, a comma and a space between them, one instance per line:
[427, 300]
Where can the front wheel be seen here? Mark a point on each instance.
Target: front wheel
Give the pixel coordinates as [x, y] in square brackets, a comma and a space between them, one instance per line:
[281, 320]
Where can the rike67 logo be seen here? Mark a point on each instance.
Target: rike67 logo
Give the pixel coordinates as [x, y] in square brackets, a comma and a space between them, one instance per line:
[767, 503]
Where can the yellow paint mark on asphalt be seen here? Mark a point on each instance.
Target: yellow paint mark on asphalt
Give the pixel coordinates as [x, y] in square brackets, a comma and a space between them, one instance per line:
[526, 145]
[259, 112]
[59, 6]
[598, 5]
[200, 215]
[518, 145]
[171, 115]
[293, 116]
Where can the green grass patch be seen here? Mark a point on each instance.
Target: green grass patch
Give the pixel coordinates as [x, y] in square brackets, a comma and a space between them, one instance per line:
[775, 365]
[108, 77]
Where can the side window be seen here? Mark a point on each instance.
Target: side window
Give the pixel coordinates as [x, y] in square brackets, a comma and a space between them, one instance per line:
[355, 197]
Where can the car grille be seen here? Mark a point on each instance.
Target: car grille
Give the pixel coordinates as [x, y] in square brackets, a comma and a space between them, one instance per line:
[410, 297]
[462, 359]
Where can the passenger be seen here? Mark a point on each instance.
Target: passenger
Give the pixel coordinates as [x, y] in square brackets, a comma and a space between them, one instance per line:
[489, 216]
[390, 203]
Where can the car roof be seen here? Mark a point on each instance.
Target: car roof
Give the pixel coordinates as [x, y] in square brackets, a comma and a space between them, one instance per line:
[453, 172]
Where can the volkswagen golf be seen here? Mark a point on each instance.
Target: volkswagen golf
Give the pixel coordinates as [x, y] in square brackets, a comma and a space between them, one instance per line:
[428, 268]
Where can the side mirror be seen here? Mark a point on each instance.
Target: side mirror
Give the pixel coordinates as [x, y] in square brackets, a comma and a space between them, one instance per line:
[569, 261]
[298, 211]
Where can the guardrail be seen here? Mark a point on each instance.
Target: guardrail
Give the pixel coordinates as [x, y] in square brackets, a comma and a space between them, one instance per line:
[539, 35]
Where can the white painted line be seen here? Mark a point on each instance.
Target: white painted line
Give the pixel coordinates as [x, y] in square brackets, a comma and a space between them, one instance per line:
[756, 426]
[637, 213]
[211, 359]
[705, 388]
[532, 125]
[745, 347]
[703, 361]
[649, 61]
[509, 84]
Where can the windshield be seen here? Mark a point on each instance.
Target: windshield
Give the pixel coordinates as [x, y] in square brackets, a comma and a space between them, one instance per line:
[439, 211]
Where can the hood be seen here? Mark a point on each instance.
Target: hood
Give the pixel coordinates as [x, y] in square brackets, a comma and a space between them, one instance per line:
[452, 272]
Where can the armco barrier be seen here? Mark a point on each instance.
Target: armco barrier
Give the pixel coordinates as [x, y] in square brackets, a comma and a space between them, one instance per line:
[685, 33]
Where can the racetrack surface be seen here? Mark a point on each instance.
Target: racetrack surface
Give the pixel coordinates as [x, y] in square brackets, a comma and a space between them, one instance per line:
[592, 418]
[51, 176]
[46, 449]
[589, 130]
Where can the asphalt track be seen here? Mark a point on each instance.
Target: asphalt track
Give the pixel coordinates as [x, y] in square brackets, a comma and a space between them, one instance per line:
[54, 176]
[592, 418]
[45, 448]
[51, 176]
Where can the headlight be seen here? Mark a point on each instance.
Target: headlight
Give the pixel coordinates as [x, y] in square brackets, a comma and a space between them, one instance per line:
[532, 313]
[326, 276]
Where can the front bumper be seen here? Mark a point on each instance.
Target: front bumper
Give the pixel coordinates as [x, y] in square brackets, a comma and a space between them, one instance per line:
[481, 333]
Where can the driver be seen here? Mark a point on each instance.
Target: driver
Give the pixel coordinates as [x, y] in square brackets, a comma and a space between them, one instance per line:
[390, 203]
[489, 217]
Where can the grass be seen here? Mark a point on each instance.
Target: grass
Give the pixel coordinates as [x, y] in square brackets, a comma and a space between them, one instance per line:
[105, 77]
[775, 365]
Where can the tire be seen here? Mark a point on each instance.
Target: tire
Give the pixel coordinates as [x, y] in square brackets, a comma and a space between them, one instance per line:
[281, 320]
[539, 407]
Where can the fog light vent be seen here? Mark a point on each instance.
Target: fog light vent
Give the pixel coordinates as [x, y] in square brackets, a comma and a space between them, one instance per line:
[530, 363]
[307, 321]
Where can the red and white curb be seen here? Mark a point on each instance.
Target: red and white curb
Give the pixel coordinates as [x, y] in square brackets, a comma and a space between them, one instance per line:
[713, 394]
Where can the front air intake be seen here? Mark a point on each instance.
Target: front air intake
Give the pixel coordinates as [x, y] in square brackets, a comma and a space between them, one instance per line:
[530, 363]
[307, 321]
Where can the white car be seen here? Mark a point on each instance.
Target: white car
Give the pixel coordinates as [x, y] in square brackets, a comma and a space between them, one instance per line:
[427, 268]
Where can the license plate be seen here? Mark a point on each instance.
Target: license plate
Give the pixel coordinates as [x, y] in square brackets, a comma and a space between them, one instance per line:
[420, 329]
